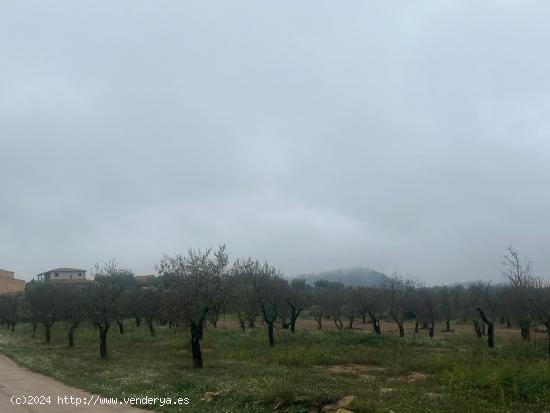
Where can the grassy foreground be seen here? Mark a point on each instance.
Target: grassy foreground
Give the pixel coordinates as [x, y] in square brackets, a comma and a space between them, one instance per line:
[301, 373]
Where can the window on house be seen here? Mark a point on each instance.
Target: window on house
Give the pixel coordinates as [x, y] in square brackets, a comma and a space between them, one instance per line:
[71, 276]
[80, 274]
[57, 274]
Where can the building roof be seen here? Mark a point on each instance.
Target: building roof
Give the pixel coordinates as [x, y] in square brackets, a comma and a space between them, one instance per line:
[4, 274]
[64, 270]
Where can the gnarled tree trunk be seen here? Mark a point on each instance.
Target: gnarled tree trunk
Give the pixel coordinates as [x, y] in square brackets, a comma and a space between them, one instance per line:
[72, 328]
[319, 320]
[399, 323]
[151, 326]
[242, 323]
[490, 328]
[103, 340]
[525, 333]
[48, 333]
[270, 333]
[375, 323]
[294, 314]
[477, 328]
[120, 326]
[196, 335]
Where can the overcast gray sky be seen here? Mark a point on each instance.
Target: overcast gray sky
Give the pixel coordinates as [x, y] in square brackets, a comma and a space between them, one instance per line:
[408, 136]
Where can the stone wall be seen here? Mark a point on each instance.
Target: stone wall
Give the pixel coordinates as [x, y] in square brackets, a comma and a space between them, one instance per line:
[10, 284]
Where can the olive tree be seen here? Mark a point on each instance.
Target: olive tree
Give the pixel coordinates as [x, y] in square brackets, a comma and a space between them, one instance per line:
[319, 308]
[542, 306]
[44, 304]
[449, 300]
[135, 304]
[398, 296]
[482, 303]
[169, 311]
[375, 305]
[74, 308]
[427, 307]
[11, 307]
[242, 298]
[336, 304]
[362, 305]
[271, 290]
[298, 298]
[151, 307]
[122, 307]
[199, 280]
[523, 284]
[104, 291]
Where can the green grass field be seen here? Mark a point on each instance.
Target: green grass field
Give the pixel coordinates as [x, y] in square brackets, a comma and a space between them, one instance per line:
[303, 372]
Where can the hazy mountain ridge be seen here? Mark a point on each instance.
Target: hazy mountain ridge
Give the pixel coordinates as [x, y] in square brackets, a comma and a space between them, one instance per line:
[351, 276]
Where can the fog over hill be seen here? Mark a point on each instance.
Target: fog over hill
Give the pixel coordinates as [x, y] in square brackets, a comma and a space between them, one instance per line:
[350, 276]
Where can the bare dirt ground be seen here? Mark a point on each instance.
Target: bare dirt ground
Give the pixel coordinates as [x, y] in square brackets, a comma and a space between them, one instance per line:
[18, 382]
[457, 328]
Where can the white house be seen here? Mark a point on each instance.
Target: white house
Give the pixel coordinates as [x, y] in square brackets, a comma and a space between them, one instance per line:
[64, 275]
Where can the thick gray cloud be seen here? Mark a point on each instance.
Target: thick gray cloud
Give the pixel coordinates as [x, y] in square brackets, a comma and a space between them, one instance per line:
[317, 135]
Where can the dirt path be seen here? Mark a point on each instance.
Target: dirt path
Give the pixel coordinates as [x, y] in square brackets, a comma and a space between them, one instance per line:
[17, 382]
